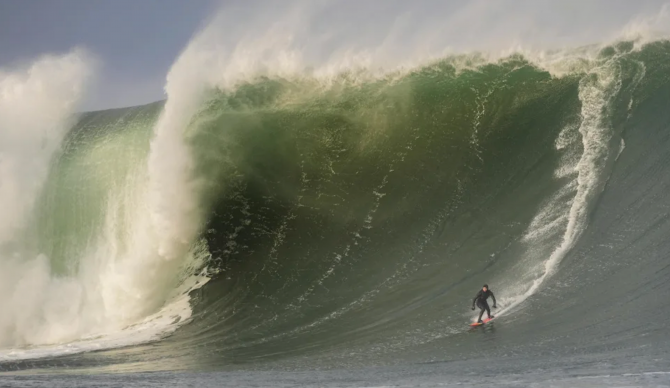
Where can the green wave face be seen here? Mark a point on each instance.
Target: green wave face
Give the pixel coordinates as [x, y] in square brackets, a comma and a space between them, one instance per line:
[350, 222]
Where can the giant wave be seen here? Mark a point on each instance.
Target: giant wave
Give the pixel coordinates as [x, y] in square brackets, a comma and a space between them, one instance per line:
[295, 217]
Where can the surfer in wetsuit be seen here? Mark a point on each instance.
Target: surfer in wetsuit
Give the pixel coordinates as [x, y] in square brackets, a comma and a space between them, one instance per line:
[480, 299]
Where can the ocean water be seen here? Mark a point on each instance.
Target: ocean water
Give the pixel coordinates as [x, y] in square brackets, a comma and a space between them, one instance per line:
[312, 228]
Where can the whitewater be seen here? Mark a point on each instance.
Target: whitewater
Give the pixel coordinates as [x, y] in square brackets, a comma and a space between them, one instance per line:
[310, 208]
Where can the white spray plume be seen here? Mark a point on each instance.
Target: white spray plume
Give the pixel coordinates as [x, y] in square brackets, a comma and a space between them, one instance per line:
[37, 104]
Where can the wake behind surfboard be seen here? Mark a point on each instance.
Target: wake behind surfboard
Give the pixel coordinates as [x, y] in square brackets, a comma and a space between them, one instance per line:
[487, 320]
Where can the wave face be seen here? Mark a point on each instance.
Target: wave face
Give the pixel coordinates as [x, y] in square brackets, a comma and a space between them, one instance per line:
[296, 222]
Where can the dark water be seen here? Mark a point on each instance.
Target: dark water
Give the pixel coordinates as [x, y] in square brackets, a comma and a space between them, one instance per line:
[350, 225]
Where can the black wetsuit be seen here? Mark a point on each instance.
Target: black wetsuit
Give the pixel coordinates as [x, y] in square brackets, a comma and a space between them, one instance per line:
[480, 299]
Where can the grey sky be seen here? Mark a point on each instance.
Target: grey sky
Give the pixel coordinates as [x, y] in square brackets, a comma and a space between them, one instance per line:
[137, 41]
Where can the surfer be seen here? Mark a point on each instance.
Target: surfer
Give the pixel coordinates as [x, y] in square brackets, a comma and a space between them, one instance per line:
[480, 299]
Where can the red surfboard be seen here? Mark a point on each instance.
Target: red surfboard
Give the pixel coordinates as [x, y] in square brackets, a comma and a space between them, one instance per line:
[487, 320]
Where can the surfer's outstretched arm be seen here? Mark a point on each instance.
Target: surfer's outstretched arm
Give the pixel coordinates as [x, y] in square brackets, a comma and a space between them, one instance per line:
[475, 299]
[494, 299]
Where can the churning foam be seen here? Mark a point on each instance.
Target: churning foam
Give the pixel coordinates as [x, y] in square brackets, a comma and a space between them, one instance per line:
[36, 110]
[597, 90]
[131, 283]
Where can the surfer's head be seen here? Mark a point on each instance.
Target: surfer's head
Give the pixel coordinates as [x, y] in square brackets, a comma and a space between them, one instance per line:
[485, 287]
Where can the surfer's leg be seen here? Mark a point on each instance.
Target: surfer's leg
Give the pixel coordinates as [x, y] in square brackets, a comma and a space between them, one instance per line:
[481, 312]
[485, 307]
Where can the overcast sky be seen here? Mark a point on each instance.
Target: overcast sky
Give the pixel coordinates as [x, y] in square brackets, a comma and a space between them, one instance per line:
[137, 41]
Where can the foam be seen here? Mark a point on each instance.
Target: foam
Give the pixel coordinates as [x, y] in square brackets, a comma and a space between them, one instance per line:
[597, 90]
[130, 285]
[37, 104]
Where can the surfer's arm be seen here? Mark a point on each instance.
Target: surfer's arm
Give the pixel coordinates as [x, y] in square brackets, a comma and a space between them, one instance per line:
[476, 297]
[494, 299]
